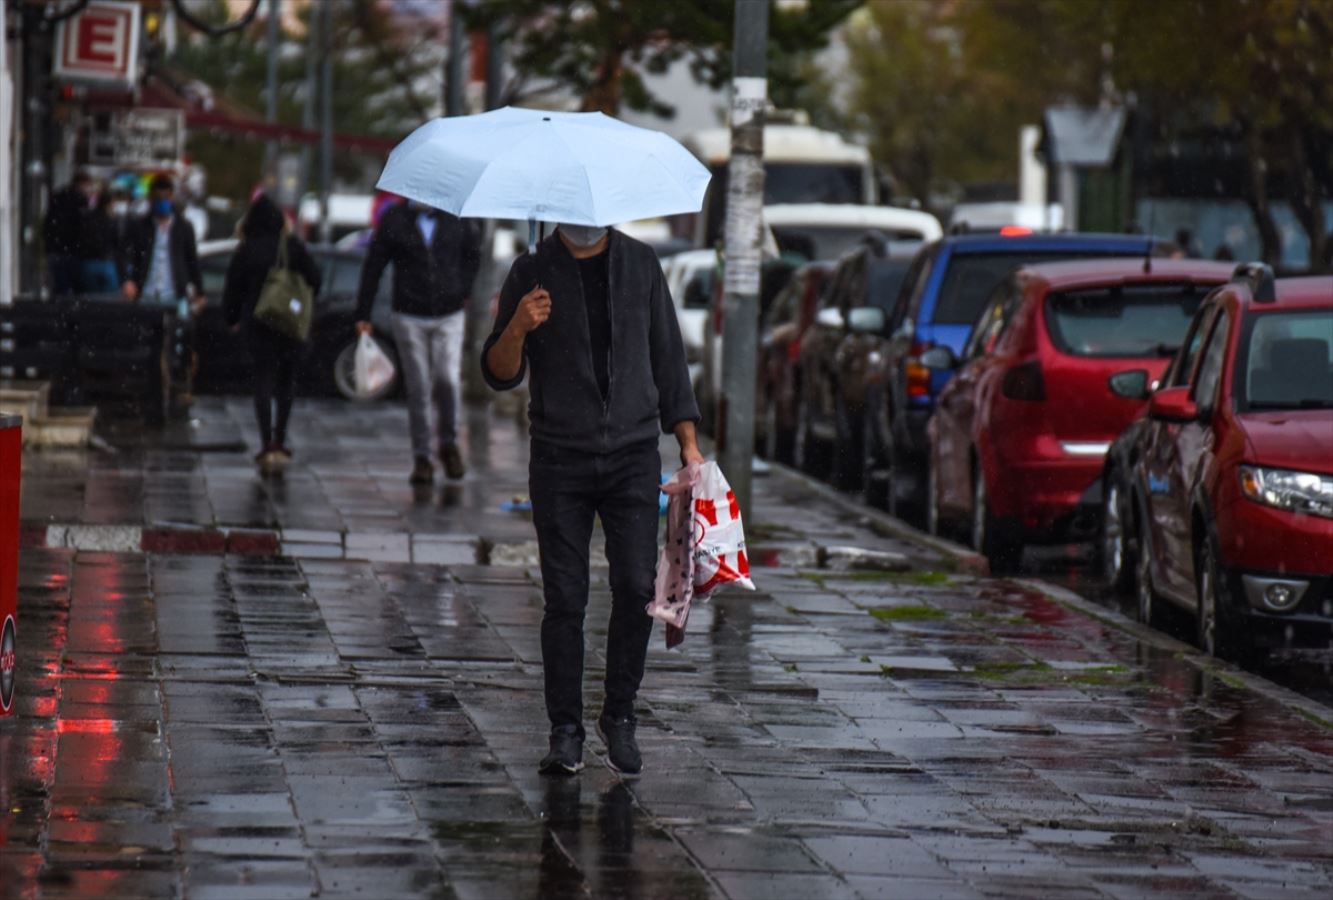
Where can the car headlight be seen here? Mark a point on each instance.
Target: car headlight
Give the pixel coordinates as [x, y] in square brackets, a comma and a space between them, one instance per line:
[1302, 492]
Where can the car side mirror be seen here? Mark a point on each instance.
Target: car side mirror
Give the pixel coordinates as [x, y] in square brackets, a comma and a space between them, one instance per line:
[867, 320]
[1173, 405]
[1131, 384]
[940, 358]
[830, 317]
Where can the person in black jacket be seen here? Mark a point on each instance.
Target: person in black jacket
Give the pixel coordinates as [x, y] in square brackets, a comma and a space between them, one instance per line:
[63, 232]
[435, 259]
[161, 258]
[275, 355]
[590, 320]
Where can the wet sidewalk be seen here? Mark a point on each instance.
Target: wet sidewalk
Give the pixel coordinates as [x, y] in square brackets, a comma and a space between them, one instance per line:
[251, 725]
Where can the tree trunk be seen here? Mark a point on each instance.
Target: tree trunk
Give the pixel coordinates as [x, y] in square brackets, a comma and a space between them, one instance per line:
[1270, 239]
[1306, 201]
[604, 94]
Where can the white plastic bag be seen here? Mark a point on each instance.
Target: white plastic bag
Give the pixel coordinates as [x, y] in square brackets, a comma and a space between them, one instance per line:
[704, 549]
[374, 369]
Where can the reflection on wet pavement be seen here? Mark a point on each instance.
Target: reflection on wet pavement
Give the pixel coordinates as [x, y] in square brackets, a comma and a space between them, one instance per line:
[209, 725]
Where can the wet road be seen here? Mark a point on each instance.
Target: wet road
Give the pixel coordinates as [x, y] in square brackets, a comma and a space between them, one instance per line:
[343, 718]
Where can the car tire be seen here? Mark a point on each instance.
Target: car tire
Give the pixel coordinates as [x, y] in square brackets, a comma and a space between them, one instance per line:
[344, 373]
[989, 538]
[811, 456]
[1115, 539]
[848, 450]
[1144, 594]
[874, 478]
[933, 523]
[1214, 633]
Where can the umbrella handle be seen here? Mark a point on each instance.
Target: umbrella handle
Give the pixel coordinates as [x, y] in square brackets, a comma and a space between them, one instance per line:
[532, 236]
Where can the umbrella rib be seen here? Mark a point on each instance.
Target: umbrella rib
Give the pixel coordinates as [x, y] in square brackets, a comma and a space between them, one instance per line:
[592, 197]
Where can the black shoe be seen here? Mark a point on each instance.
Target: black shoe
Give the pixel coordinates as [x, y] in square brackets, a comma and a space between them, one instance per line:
[422, 472]
[566, 756]
[622, 751]
[452, 461]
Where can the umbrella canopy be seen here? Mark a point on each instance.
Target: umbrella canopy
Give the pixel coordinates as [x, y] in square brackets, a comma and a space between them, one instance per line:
[511, 163]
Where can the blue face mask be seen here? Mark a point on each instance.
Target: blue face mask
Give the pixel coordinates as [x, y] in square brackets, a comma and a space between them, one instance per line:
[162, 208]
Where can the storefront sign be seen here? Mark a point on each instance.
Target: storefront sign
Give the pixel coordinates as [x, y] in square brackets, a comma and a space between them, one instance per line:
[150, 138]
[99, 44]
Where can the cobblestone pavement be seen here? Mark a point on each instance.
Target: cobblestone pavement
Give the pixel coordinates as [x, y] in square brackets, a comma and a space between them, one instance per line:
[231, 725]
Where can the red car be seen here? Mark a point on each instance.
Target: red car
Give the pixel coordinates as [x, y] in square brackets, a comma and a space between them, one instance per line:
[1233, 487]
[1057, 365]
[783, 326]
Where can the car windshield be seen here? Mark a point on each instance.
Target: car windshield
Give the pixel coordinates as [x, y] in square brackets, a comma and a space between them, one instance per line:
[1129, 320]
[972, 277]
[1288, 361]
[885, 281]
[813, 242]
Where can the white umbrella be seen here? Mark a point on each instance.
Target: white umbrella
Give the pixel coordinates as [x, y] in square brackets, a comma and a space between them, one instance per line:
[511, 163]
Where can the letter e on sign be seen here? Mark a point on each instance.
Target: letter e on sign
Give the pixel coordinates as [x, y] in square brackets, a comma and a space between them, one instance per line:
[99, 44]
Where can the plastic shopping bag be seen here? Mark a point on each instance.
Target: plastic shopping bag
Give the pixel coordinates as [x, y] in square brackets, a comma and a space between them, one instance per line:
[705, 545]
[374, 369]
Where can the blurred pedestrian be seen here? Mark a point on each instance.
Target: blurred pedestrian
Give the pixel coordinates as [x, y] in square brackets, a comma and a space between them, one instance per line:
[1224, 253]
[162, 258]
[591, 315]
[435, 259]
[101, 269]
[63, 232]
[1189, 247]
[275, 355]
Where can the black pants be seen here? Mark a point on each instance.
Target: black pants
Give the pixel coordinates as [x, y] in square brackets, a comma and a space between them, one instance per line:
[275, 359]
[568, 489]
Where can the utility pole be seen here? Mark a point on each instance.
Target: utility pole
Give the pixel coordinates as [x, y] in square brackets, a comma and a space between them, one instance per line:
[312, 45]
[745, 201]
[271, 93]
[33, 103]
[326, 124]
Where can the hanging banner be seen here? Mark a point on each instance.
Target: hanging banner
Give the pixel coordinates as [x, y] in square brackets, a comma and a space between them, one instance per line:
[99, 44]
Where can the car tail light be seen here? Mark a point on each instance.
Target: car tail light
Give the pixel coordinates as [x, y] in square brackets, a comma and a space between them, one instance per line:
[918, 379]
[794, 350]
[1024, 382]
[1014, 231]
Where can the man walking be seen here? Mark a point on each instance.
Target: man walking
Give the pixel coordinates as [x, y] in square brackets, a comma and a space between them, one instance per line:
[590, 316]
[435, 259]
[162, 259]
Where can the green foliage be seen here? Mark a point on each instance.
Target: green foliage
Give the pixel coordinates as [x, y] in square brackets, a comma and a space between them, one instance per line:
[386, 79]
[907, 613]
[599, 49]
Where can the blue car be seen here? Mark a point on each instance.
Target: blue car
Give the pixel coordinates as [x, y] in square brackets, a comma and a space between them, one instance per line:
[921, 337]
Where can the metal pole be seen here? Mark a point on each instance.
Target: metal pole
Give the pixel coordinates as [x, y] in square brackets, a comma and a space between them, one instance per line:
[453, 66]
[312, 46]
[326, 125]
[34, 97]
[745, 199]
[271, 92]
[494, 67]
[6, 167]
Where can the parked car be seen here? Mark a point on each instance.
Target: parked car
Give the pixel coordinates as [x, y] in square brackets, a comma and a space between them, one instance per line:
[797, 233]
[1057, 365]
[840, 363]
[777, 393]
[690, 277]
[1232, 488]
[329, 365]
[942, 295]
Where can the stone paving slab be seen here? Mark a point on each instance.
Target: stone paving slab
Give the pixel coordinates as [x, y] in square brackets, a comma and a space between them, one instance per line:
[247, 725]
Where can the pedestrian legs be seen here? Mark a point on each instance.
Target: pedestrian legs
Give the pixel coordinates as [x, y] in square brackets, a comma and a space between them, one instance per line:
[446, 358]
[628, 507]
[562, 484]
[412, 335]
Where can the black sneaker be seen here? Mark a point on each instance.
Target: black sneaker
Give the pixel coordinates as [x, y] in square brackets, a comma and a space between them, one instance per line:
[566, 756]
[452, 460]
[422, 472]
[622, 751]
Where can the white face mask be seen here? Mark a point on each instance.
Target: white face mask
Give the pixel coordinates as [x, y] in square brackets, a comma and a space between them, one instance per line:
[582, 235]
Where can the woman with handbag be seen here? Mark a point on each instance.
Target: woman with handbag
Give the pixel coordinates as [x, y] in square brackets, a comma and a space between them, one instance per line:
[270, 288]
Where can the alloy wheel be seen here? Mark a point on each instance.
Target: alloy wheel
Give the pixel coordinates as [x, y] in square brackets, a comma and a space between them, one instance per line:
[932, 498]
[1113, 536]
[1143, 588]
[978, 512]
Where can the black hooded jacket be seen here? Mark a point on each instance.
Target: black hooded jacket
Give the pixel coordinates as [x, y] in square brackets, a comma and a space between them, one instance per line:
[255, 257]
[649, 384]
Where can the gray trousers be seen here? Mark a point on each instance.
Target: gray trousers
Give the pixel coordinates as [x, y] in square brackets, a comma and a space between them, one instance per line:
[431, 353]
